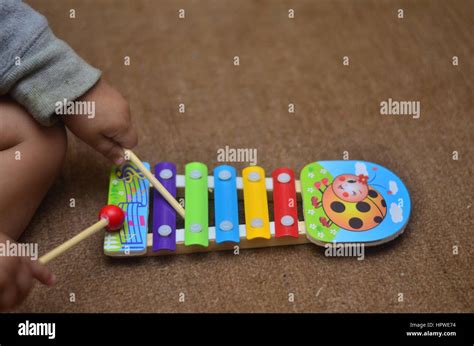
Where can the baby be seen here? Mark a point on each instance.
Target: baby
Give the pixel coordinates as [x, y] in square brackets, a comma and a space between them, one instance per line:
[38, 72]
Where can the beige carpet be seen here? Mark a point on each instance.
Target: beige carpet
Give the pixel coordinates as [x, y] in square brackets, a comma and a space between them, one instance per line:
[282, 61]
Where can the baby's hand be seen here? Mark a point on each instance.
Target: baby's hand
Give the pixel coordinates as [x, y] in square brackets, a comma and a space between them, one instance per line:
[111, 128]
[16, 278]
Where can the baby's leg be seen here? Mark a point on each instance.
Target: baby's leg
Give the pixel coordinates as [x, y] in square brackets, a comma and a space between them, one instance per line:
[31, 157]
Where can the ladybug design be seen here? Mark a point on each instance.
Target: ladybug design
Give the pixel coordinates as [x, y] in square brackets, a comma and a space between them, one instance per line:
[350, 203]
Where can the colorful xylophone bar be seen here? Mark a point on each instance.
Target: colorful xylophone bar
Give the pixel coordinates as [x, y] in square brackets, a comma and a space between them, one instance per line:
[127, 183]
[342, 202]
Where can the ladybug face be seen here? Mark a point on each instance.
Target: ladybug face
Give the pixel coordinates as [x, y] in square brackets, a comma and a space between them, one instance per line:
[350, 188]
[350, 203]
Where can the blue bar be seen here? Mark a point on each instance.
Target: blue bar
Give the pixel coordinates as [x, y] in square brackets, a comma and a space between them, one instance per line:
[226, 205]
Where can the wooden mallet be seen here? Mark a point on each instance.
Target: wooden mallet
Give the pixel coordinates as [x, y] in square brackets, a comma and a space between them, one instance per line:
[111, 218]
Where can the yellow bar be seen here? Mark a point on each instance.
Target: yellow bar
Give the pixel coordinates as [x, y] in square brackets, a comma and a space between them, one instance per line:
[257, 222]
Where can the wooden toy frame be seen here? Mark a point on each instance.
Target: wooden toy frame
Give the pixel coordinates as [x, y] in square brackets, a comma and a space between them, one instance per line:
[342, 203]
[244, 243]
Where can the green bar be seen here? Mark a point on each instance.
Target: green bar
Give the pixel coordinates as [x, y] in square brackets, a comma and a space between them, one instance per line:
[196, 230]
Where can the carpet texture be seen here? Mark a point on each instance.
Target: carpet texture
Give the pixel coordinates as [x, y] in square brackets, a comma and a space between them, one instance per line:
[337, 109]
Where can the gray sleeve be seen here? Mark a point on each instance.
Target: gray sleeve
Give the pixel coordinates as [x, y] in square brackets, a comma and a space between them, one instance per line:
[36, 68]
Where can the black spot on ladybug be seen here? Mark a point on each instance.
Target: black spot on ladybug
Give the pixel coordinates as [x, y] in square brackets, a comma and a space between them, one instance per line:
[338, 207]
[355, 223]
[373, 194]
[383, 203]
[363, 207]
[378, 219]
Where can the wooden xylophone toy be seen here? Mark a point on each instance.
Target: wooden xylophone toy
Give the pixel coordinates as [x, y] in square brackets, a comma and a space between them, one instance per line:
[333, 202]
[343, 202]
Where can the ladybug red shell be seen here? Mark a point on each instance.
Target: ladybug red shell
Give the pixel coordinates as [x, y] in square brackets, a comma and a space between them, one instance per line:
[352, 204]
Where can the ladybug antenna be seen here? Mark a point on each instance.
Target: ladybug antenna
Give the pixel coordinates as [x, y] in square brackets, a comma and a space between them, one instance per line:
[381, 186]
[371, 180]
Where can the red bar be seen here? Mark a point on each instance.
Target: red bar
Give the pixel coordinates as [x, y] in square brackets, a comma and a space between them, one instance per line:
[284, 203]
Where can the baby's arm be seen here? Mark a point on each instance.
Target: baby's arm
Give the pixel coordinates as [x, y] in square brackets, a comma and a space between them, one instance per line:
[38, 70]
[111, 128]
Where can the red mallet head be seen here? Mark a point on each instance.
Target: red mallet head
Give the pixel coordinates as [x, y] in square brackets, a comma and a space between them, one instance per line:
[114, 215]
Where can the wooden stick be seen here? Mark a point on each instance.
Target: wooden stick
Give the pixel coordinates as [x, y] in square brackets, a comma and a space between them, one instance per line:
[153, 181]
[73, 241]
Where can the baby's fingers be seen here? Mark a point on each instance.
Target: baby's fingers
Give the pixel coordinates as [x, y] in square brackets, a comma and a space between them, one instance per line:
[110, 150]
[8, 291]
[126, 137]
[24, 281]
[41, 273]
[9, 297]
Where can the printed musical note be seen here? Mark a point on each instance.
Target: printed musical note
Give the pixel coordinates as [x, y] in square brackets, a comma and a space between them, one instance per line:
[127, 172]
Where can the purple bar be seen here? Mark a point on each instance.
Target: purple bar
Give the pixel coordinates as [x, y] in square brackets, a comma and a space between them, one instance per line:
[164, 216]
